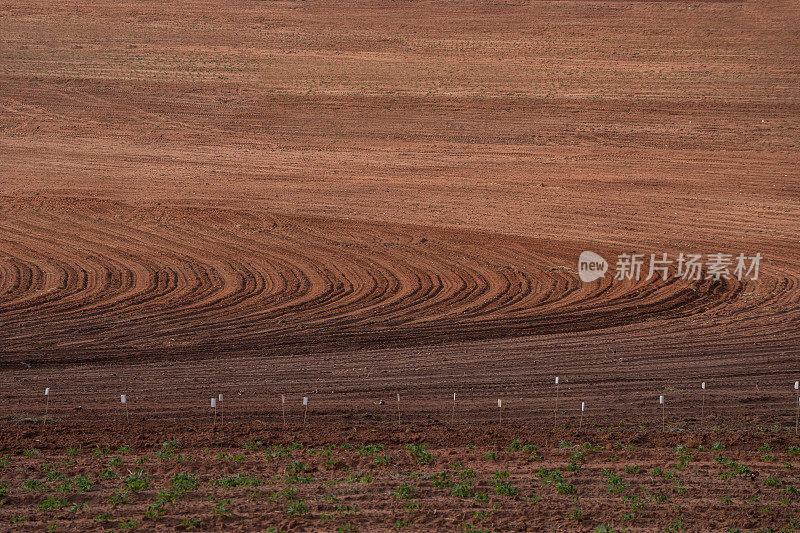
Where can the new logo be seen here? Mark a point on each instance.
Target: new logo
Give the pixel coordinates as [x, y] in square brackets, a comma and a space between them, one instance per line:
[591, 266]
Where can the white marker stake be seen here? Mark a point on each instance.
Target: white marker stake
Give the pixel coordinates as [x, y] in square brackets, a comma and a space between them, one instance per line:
[124, 400]
[221, 411]
[583, 408]
[46, 404]
[797, 414]
[283, 409]
[500, 408]
[703, 406]
[398, 409]
[555, 417]
[214, 405]
[453, 414]
[661, 401]
[305, 403]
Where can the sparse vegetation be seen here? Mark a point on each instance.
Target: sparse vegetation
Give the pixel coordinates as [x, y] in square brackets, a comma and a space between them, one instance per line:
[297, 508]
[421, 454]
[137, 481]
[117, 499]
[406, 491]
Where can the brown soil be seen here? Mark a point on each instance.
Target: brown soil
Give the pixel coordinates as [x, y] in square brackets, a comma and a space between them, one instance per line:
[350, 202]
[641, 481]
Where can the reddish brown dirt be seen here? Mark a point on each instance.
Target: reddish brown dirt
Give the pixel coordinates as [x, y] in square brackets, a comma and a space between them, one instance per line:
[642, 481]
[354, 201]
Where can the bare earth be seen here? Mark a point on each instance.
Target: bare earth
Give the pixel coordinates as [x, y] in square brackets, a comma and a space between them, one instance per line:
[350, 201]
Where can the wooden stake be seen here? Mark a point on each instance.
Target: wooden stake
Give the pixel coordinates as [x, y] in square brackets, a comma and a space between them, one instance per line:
[797, 413]
[453, 414]
[555, 418]
[124, 399]
[703, 405]
[661, 401]
[580, 425]
[214, 405]
[305, 413]
[283, 409]
[500, 409]
[46, 404]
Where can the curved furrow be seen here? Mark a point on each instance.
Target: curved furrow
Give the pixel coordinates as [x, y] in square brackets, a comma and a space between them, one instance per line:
[328, 287]
[505, 285]
[419, 287]
[148, 280]
[457, 285]
[382, 282]
[18, 277]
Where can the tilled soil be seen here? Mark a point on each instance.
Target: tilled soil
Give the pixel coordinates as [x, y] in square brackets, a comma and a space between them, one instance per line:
[381, 478]
[351, 202]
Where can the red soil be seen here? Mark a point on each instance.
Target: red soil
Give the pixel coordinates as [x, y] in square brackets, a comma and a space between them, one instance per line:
[350, 202]
[663, 481]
